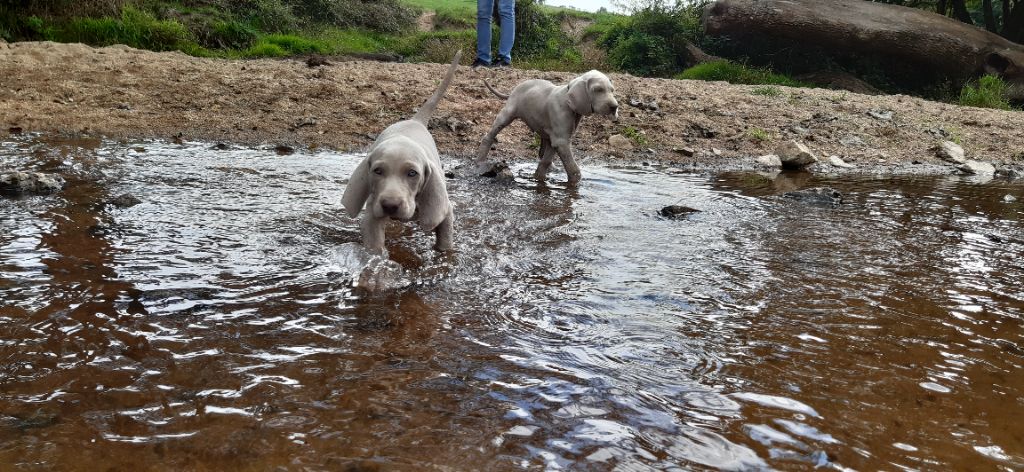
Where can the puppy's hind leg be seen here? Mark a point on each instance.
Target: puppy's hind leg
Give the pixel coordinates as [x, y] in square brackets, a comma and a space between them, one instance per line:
[504, 118]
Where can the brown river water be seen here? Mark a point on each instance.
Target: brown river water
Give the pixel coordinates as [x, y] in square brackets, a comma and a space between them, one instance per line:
[217, 325]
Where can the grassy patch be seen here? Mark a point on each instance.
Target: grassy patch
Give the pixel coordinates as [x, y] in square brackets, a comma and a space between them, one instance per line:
[634, 135]
[758, 134]
[735, 73]
[987, 92]
[134, 28]
[767, 91]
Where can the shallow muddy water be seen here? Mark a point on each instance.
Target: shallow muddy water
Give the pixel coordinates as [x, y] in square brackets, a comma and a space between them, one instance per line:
[215, 324]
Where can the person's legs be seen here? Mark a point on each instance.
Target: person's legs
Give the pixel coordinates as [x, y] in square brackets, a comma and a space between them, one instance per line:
[507, 12]
[483, 30]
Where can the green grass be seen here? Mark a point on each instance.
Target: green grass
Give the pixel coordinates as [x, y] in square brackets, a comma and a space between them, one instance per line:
[767, 91]
[459, 12]
[134, 28]
[634, 135]
[758, 134]
[987, 92]
[735, 73]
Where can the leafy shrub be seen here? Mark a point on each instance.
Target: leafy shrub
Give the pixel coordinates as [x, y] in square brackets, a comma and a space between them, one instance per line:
[538, 34]
[266, 15]
[987, 92]
[652, 42]
[736, 74]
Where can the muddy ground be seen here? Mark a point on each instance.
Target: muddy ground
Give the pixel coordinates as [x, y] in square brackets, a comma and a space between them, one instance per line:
[126, 93]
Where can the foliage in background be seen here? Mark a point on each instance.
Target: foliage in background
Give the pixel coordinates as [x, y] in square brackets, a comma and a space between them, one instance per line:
[986, 92]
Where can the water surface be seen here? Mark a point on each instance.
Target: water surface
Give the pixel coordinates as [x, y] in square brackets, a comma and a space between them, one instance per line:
[216, 325]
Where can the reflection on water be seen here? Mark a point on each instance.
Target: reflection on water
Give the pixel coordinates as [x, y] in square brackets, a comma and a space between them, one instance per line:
[221, 323]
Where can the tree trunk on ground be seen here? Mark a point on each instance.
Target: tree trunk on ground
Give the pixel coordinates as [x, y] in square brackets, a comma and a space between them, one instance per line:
[694, 56]
[937, 44]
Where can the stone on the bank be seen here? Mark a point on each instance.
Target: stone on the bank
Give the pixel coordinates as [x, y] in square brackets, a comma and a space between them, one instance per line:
[837, 161]
[619, 141]
[18, 183]
[770, 160]
[795, 155]
[973, 167]
[950, 151]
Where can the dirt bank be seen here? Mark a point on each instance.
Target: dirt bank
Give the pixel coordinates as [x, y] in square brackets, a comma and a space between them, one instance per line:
[126, 93]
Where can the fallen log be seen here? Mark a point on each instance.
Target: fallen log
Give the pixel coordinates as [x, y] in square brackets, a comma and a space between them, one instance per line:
[932, 41]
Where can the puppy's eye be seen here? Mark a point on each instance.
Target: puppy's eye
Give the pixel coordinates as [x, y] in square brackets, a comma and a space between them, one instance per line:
[378, 171]
[412, 173]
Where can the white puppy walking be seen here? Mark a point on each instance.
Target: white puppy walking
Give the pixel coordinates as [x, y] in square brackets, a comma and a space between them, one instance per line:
[401, 179]
[553, 112]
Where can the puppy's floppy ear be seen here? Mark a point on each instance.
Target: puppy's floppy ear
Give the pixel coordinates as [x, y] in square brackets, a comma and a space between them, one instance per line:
[579, 96]
[358, 189]
[432, 203]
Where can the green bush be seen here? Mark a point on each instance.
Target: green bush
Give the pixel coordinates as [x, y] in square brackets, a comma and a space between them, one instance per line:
[538, 34]
[987, 92]
[736, 74]
[652, 42]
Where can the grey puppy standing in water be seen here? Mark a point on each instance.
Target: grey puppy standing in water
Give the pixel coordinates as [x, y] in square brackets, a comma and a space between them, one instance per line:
[553, 112]
[401, 178]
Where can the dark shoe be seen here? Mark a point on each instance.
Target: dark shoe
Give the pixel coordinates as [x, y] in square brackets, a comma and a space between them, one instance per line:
[500, 63]
[480, 63]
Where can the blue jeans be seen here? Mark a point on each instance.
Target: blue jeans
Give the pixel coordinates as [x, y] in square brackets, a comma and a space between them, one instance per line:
[507, 14]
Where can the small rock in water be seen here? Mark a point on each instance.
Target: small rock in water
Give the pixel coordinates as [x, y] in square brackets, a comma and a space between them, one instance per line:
[124, 201]
[495, 170]
[284, 149]
[221, 147]
[950, 151]
[795, 155]
[29, 183]
[817, 196]
[770, 160]
[972, 167]
[1009, 198]
[677, 211]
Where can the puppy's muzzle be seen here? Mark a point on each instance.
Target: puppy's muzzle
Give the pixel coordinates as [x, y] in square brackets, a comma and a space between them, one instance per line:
[390, 207]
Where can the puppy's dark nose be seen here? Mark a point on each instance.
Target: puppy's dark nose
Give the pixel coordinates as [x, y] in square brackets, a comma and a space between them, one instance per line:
[390, 208]
[615, 109]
